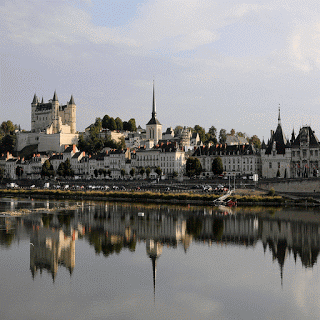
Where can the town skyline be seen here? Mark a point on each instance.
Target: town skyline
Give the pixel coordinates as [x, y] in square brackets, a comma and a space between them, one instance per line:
[227, 65]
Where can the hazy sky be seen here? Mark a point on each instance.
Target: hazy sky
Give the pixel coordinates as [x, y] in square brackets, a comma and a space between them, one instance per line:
[223, 63]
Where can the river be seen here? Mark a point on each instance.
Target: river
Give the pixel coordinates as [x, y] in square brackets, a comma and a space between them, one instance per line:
[104, 260]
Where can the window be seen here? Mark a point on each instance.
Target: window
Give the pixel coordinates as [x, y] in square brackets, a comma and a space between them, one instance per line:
[279, 165]
[293, 153]
[316, 153]
[270, 165]
[311, 152]
[304, 153]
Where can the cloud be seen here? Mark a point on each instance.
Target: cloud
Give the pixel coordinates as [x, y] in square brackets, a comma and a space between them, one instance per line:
[47, 23]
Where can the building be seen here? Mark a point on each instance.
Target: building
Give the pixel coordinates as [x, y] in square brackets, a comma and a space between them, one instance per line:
[305, 152]
[52, 126]
[237, 160]
[276, 155]
[154, 127]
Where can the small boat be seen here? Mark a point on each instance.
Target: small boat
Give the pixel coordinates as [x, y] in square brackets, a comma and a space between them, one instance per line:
[140, 214]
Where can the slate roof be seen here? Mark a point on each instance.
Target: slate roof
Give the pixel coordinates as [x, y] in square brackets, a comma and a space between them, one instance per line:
[279, 139]
[306, 134]
[223, 149]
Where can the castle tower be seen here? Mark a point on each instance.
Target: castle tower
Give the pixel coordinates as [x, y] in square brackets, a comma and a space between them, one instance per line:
[154, 127]
[55, 113]
[34, 104]
[72, 115]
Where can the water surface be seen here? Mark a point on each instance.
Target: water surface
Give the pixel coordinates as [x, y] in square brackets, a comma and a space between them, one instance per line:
[102, 260]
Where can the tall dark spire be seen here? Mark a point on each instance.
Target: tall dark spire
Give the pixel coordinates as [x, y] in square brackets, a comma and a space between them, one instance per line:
[279, 119]
[154, 113]
[55, 97]
[153, 119]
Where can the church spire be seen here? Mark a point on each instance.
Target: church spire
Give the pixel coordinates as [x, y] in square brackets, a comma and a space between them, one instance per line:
[154, 113]
[279, 119]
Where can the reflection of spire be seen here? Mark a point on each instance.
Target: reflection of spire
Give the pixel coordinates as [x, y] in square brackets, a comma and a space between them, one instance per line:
[154, 250]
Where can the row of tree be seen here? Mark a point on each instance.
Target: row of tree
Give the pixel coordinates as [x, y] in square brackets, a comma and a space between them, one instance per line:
[194, 167]
[95, 143]
[117, 124]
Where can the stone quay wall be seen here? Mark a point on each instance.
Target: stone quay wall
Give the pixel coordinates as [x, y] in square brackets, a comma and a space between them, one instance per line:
[298, 186]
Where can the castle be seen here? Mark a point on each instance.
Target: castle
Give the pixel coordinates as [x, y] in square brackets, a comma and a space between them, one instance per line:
[53, 117]
[52, 126]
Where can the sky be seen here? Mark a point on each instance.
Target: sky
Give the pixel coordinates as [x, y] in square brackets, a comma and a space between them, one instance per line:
[228, 64]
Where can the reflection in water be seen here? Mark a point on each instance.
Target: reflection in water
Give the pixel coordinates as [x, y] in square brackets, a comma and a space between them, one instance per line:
[113, 227]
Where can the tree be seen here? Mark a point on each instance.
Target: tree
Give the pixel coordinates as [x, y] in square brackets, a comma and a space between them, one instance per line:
[177, 129]
[109, 172]
[95, 172]
[175, 174]
[65, 170]
[132, 172]
[19, 171]
[7, 128]
[211, 135]
[121, 144]
[1, 173]
[8, 143]
[148, 171]
[47, 169]
[68, 170]
[105, 122]
[112, 124]
[255, 141]
[122, 172]
[222, 136]
[201, 131]
[60, 170]
[217, 166]
[142, 171]
[125, 125]
[132, 125]
[232, 132]
[158, 171]
[193, 167]
[119, 124]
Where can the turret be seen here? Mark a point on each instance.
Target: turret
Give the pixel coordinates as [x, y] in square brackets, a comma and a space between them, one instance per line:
[34, 104]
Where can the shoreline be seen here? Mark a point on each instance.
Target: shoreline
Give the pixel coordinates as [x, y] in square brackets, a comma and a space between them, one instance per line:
[158, 197]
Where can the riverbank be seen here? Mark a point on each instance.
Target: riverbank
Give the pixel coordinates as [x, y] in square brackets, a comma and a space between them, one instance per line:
[246, 197]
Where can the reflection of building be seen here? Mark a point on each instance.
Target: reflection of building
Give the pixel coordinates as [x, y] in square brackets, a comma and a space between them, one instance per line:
[50, 248]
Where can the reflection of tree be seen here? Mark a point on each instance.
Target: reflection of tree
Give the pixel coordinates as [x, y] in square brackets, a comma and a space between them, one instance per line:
[46, 219]
[107, 245]
[6, 237]
[64, 219]
[217, 229]
[194, 226]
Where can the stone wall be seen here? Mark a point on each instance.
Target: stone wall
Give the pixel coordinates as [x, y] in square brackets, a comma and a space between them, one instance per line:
[298, 186]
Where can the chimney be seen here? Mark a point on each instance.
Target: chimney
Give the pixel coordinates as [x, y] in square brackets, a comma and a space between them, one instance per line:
[83, 153]
[74, 148]
[65, 147]
[8, 155]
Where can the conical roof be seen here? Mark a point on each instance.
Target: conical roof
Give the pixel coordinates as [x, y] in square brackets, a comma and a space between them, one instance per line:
[35, 99]
[55, 97]
[71, 100]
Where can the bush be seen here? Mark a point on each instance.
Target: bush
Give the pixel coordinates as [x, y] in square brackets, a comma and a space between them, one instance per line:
[271, 192]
